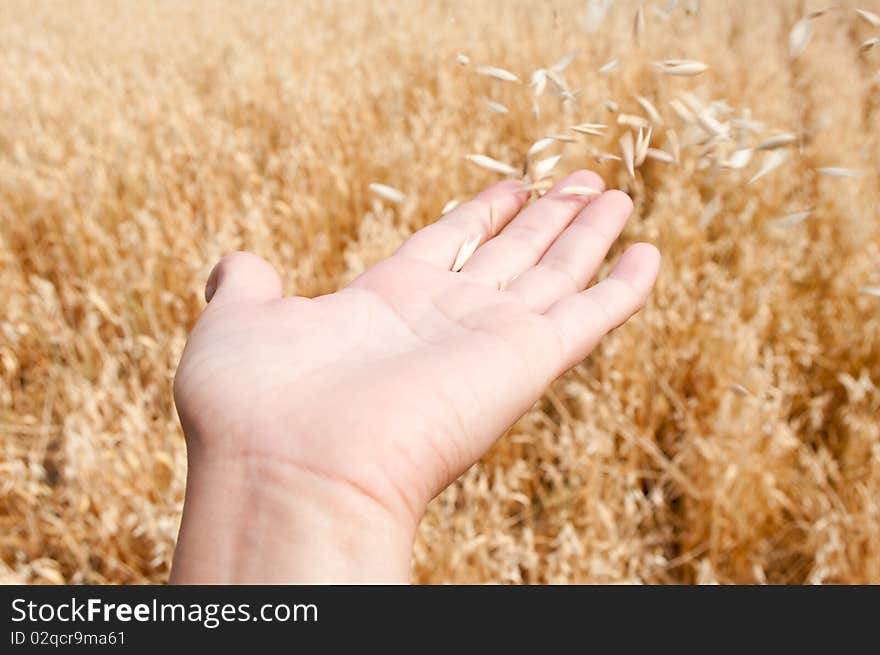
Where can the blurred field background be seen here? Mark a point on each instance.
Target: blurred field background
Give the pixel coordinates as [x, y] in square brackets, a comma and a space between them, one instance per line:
[730, 433]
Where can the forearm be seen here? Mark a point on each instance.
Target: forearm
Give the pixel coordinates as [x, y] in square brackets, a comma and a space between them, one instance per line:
[255, 521]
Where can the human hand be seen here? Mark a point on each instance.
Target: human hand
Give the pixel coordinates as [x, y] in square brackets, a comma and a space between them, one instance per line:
[319, 429]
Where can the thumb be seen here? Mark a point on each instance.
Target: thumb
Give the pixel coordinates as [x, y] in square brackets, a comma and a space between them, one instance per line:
[242, 277]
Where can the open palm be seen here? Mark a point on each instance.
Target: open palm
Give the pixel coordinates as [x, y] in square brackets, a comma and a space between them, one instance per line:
[397, 383]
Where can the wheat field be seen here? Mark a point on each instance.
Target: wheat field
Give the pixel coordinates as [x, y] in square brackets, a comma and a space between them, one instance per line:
[729, 433]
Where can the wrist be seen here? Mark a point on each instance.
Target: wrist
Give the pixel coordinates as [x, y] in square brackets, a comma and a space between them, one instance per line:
[254, 520]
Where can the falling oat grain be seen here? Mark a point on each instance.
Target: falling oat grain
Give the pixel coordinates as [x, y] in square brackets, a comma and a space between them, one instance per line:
[540, 145]
[835, 171]
[674, 145]
[739, 159]
[495, 107]
[650, 109]
[778, 141]
[464, 253]
[541, 186]
[388, 193]
[681, 67]
[774, 159]
[565, 62]
[660, 155]
[611, 66]
[542, 168]
[449, 206]
[633, 121]
[790, 220]
[869, 17]
[539, 81]
[627, 151]
[491, 164]
[580, 191]
[684, 114]
[640, 151]
[591, 129]
[496, 73]
[799, 37]
[710, 211]
[639, 25]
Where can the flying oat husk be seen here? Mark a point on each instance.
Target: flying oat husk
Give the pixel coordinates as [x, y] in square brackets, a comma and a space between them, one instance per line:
[562, 137]
[778, 141]
[496, 107]
[774, 159]
[491, 164]
[612, 65]
[464, 253]
[871, 291]
[541, 169]
[496, 73]
[464, 60]
[388, 193]
[627, 151]
[835, 171]
[580, 191]
[799, 37]
[869, 17]
[682, 67]
[591, 129]
[540, 145]
[612, 106]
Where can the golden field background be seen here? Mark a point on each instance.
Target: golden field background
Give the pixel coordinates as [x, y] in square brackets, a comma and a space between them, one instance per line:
[729, 433]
